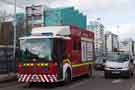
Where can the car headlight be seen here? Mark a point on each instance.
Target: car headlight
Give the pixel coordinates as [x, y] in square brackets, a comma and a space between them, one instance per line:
[107, 67]
[125, 68]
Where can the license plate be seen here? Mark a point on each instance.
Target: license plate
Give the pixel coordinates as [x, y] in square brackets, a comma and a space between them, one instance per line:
[115, 72]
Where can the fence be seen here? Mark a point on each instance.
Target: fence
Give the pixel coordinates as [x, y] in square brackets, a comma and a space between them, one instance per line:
[7, 62]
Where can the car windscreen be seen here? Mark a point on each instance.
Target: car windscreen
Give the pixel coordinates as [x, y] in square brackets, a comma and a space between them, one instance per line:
[118, 58]
[99, 60]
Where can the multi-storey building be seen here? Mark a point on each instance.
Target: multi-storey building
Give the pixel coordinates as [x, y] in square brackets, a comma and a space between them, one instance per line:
[98, 29]
[128, 46]
[111, 42]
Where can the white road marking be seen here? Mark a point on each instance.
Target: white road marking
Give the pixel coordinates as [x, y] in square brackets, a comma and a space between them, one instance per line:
[132, 86]
[117, 81]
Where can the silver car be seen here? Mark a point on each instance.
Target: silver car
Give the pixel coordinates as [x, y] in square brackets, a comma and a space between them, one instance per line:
[99, 63]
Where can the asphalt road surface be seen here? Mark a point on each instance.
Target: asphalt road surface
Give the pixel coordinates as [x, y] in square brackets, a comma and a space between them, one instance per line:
[96, 83]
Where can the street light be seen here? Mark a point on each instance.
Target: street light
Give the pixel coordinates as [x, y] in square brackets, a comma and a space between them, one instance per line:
[118, 47]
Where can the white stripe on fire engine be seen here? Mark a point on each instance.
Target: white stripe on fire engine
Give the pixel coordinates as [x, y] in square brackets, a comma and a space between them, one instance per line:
[28, 78]
[41, 77]
[50, 78]
[54, 76]
[24, 77]
[45, 77]
[20, 77]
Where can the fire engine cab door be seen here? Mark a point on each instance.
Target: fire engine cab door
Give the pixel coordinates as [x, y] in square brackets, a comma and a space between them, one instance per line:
[59, 52]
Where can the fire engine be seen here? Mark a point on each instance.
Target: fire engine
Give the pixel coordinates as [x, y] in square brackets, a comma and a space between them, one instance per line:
[55, 53]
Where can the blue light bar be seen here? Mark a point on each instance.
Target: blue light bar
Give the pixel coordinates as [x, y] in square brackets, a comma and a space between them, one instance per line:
[42, 34]
[47, 34]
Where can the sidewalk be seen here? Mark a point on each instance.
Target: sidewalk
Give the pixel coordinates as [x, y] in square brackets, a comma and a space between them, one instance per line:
[8, 77]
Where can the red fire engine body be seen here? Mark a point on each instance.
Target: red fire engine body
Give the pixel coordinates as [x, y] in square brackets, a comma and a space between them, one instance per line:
[55, 53]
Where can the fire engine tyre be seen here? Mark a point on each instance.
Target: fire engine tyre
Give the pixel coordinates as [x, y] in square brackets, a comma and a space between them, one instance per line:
[91, 71]
[67, 77]
[28, 85]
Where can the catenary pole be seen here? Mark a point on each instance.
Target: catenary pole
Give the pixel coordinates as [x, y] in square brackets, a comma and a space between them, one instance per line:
[14, 39]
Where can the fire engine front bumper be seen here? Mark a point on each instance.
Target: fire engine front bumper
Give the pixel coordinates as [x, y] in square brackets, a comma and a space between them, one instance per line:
[37, 78]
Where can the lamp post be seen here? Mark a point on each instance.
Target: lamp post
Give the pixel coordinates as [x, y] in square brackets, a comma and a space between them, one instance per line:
[14, 39]
[118, 47]
[105, 44]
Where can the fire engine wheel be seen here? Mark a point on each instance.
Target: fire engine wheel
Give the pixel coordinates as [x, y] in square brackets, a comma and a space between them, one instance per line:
[67, 77]
[90, 71]
[28, 85]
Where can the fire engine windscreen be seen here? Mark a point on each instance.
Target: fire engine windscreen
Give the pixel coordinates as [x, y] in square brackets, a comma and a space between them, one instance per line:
[40, 48]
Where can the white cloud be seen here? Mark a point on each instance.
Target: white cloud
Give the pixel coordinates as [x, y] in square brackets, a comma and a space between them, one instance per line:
[117, 7]
[60, 3]
[111, 11]
[104, 3]
[84, 5]
[8, 5]
[124, 31]
[9, 8]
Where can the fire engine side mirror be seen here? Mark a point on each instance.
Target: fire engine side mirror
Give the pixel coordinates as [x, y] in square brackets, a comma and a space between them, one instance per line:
[18, 53]
[54, 57]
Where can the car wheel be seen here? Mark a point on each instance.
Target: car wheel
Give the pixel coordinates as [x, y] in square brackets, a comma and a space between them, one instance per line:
[106, 75]
[128, 75]
[132, 73]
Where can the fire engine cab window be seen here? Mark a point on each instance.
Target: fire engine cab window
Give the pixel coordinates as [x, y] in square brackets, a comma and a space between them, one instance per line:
[36, 48]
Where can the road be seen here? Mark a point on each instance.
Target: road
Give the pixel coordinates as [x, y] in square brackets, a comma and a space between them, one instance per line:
[96, 83]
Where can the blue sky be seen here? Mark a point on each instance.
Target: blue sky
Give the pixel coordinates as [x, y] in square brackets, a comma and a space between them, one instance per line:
[111, 12]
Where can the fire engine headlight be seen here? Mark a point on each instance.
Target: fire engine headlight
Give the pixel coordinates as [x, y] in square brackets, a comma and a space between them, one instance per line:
[28, 64]
[31, 64]
[43, 64]
[38, 65]
[24, 65]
